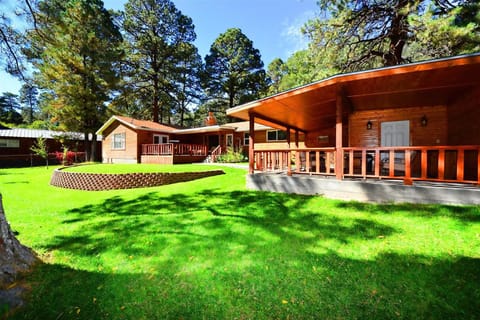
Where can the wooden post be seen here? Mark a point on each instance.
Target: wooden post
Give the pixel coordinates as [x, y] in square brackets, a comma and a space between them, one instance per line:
[460, 164]
[478, 166]
[377, 163]
[441, 164]
[339, 136]
[364, 163]
[391, 162]
[408, 169]
[424, 164]
[251, 147]
[289, 157]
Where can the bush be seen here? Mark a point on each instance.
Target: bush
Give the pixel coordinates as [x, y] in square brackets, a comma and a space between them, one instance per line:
[231, 156]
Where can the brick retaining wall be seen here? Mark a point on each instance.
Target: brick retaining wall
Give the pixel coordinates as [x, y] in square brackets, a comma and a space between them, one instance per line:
[103, 181]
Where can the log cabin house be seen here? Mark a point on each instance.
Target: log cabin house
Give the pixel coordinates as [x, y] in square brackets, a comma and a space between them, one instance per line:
[411, 123]
[128, 140]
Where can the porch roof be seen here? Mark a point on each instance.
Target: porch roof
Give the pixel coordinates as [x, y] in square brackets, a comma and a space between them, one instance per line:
[313, 106]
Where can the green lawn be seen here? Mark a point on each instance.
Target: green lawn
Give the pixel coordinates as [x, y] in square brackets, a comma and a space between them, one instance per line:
[209, 249]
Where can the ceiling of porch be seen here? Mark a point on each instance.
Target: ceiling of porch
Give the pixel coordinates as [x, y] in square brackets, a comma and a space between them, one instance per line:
[313, 107]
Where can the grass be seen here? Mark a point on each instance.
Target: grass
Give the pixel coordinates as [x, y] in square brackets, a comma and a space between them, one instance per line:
[209, 249]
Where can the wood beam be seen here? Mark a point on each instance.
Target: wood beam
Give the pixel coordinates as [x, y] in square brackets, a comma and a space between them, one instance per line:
[280, 123]
[339, 135]
[251, 144]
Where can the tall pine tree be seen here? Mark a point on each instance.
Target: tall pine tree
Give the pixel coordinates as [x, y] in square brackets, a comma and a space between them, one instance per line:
[155, 33]
[76, 51]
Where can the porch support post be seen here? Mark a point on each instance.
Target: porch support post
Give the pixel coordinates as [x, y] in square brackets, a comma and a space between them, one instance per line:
[339, 135]
[289, 156]
[251, 144]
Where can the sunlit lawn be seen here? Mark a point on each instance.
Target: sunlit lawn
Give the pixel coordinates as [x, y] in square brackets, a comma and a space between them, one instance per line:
[209, 249]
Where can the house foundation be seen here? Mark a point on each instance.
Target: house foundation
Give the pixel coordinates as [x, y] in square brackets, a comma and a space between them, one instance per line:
[379, 191]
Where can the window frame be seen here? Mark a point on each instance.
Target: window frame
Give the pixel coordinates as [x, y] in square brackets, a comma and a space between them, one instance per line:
[122, 141]
[246, 138]
[161, 137]
[276, 138]
[10, 143]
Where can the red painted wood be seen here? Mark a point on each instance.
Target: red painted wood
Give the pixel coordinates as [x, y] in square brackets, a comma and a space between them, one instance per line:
[391, 163]
[460, 164]
[441, 164]
[364, 163]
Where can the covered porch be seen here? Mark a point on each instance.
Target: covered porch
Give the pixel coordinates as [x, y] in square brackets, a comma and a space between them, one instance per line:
[411, 123]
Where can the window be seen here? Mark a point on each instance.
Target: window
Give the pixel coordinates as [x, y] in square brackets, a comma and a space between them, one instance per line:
[229, 140]
[276, 135]
[160, 139]
[9, 143]
[118, 142]
[246, 139]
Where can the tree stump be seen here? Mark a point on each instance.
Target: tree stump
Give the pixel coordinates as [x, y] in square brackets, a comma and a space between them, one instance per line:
[14, 257]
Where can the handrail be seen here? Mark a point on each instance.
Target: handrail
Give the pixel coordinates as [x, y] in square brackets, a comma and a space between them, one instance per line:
[167, 149]
[216, 153]
[431, 163]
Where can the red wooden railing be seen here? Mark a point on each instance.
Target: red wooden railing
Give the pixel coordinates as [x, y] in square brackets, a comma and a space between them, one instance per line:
[216, 153]
[440, 163]
[174, 149]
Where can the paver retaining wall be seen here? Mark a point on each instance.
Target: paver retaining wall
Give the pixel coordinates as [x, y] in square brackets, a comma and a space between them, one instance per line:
[105, 181]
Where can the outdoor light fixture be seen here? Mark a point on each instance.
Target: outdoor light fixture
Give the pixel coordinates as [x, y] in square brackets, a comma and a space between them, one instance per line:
[424, 121]
[369, 125]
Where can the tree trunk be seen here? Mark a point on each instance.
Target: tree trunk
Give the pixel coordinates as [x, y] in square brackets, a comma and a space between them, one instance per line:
[93, 148]
[14, 257]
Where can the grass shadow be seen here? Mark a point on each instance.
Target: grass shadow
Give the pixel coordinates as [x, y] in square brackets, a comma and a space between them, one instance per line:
[335, 287]
[467, 214]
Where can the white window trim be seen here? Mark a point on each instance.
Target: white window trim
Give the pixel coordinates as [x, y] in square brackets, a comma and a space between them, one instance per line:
[276, 136]
[160, 138]
[246, 138]
[10, 143]
[123, 143]
[229, 135]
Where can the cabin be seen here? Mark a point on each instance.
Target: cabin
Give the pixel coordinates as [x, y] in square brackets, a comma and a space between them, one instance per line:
[413, 124]
[128, 140]
[16, 144]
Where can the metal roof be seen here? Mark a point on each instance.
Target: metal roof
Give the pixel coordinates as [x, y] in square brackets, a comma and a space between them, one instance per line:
[37, 133]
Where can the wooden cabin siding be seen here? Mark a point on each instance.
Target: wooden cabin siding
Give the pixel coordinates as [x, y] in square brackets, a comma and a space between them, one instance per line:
[261, 142]
[129, 154]
[464, 120]
[434, 133]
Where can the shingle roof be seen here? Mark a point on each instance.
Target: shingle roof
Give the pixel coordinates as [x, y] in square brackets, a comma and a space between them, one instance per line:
[137, 124]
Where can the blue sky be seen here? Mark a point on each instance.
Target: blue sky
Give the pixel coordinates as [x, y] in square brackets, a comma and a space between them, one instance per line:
[272, 25]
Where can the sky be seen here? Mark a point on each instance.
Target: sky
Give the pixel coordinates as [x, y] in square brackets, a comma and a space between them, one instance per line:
[272, 25]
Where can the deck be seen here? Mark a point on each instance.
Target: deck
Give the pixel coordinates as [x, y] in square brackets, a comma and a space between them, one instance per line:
[443, 174]
[173, 153]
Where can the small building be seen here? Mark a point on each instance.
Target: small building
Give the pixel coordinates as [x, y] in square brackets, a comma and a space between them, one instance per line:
[16, 144]
[411, 123]
[128, 140]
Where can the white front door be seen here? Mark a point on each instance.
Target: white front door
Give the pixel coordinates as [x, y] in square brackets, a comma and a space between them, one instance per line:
[395, 134]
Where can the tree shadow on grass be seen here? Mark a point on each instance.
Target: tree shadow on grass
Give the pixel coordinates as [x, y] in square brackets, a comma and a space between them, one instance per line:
[391, 287]
[467, 214]
[241, 254]
[238, 217]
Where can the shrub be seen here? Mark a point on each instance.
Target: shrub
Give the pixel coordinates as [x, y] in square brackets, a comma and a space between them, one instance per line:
[231, 156]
